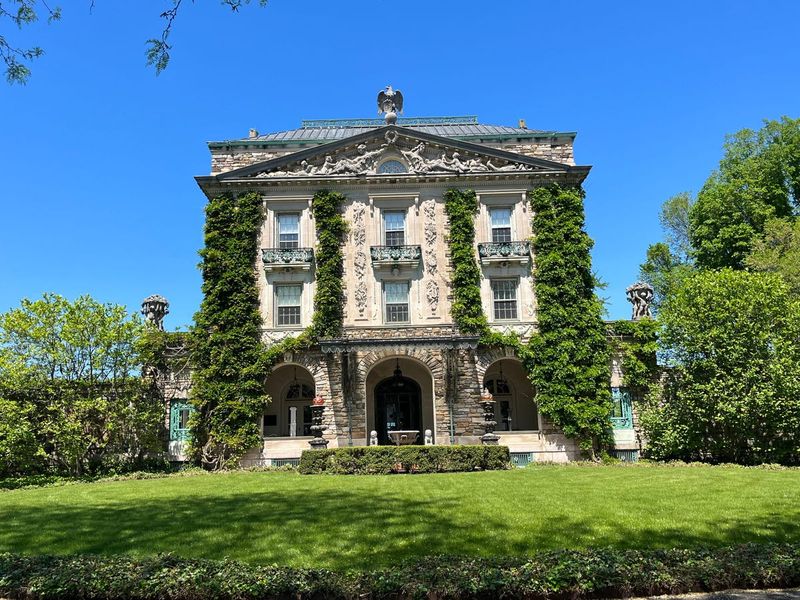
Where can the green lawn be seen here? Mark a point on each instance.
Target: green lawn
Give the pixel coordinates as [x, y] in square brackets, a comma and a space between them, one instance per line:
[367, 521]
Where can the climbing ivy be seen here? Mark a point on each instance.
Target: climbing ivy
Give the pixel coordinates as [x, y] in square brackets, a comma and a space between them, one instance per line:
[571, 368]
[226, 348]
[637, 343]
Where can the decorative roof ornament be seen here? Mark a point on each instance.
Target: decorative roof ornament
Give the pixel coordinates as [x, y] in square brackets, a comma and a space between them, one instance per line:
[390, 102]
[154, 309]
[640, 294]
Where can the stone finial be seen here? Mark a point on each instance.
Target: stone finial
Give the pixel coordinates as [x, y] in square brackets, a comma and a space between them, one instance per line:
[522, 124]
[390, 102]
[154, 309]
[253, 134]
[640, 294]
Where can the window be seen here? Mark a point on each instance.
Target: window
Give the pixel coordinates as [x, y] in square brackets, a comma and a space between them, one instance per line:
[289, 230]
[504, 295]
[396, 301]
[287, 300]
[394, 228]
[500, 219]
[179, 411]
[392, 166]
[621, 408]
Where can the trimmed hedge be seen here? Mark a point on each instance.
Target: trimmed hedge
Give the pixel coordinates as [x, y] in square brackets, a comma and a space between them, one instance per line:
[602, 573]
[383, 460]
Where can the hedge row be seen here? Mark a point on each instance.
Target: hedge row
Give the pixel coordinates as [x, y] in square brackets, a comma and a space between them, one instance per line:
[602, 573]
[383, 460]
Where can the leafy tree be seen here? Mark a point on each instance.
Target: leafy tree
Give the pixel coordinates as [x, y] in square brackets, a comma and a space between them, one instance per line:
[69, 372]
[733, 394]
[21, 13]
[758, 179]
[669, 261]
[778, 251]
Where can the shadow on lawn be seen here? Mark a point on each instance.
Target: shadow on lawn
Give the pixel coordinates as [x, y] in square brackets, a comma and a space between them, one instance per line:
[338, 529]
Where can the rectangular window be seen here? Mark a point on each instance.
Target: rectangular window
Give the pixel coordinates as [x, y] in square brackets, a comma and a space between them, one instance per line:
[500, 219]
[504, 296]
[289, 230]
[396, 301]
[394, 227]
[287, 301]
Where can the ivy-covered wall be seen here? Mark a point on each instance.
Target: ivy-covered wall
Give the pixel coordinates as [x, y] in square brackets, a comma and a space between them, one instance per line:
[567, 360]
[227, 388]
[229, 359]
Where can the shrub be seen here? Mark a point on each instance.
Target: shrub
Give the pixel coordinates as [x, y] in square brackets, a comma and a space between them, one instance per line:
[383, 460]
[604, 573]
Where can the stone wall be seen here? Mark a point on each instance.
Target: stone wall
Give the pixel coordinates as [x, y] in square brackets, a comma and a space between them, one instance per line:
[230, 158]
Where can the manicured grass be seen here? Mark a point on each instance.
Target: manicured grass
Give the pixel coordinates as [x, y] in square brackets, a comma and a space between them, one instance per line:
[371, 521]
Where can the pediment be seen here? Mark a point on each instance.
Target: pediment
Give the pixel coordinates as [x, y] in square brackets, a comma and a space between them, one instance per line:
[395, 151]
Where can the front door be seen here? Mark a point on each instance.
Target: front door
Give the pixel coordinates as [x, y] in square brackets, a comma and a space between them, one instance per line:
[398, 408]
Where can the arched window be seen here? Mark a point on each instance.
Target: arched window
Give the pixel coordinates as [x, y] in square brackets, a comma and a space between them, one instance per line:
[392, 166]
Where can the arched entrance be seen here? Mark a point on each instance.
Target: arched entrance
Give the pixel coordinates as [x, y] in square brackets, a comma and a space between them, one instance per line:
[399, 393]
[398, 407]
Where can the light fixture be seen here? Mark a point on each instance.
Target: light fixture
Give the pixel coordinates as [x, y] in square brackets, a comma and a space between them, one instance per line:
[398, 375]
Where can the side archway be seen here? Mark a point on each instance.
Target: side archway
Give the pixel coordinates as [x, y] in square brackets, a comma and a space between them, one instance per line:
[291, 388]
[515, 408]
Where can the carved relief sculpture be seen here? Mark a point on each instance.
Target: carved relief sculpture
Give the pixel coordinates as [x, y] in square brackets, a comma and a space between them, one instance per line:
[360, 258]
[421, 159]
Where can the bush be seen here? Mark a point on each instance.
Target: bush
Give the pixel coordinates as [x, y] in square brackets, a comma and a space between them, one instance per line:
[600, 573]
[383, 460]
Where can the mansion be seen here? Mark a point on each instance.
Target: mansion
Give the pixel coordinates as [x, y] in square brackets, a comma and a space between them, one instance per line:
[400, 364]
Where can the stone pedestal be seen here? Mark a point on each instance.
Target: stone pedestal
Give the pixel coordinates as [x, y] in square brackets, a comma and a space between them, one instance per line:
[317, 410]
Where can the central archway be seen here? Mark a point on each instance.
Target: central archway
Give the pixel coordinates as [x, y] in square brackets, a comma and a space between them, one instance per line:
[398, 407]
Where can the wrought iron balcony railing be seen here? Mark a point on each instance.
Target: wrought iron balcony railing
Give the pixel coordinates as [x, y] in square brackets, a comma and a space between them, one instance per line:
[287, 258]
[490, 252]
[395, 255]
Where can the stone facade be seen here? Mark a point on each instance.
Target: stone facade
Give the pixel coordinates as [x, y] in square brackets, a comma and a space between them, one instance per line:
[400, 362]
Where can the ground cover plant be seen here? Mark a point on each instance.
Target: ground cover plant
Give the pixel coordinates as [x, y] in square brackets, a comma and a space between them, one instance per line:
[374, 521]
[604, 573]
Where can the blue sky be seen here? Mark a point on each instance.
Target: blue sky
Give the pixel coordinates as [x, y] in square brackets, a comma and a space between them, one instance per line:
[99, 154]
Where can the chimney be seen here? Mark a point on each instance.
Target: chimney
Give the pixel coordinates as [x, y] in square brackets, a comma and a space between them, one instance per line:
[522, 124]
[253, 134]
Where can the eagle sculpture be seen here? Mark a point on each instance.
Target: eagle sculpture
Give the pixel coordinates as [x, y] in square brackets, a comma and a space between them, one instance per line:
[390, 102]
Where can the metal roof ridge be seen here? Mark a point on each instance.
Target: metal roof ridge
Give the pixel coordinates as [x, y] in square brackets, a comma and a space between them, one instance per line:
[343, 123]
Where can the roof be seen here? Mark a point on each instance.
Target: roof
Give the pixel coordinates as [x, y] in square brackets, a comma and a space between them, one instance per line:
[460, 128]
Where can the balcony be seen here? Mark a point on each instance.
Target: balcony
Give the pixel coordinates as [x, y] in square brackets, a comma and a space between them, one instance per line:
[395, 257]
[287, 259]
[504, 253]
